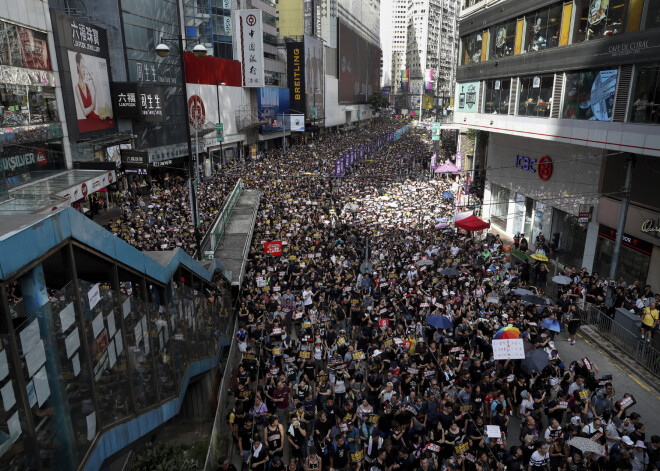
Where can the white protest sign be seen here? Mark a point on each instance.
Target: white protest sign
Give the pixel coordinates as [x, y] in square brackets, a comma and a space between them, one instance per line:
[508, 349]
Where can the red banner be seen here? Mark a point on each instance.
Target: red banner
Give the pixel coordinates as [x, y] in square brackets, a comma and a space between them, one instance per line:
[273, 248]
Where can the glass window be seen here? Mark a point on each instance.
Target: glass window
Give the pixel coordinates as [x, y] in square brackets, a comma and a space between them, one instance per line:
[471, 46]
[22, 105]
[500, 202]
[535, 95]
[503, 39]
[590, 95]
[652, 14]
[542, 28]
[497, 96]
[599, 18]
[646, 96]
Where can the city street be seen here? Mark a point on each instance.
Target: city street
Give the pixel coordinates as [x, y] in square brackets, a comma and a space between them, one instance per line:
[628, 376]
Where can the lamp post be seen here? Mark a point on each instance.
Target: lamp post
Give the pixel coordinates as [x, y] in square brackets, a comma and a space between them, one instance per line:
[217, 97]
[163, 50]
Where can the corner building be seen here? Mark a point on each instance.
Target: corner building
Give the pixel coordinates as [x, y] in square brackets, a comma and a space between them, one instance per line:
[568, 92]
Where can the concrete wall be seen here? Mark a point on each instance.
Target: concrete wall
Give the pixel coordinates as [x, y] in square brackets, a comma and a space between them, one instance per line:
[337, 114]
[575, 173]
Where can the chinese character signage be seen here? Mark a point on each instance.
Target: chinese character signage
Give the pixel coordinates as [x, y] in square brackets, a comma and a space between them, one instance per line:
[133, 101]
[82, 50]
[134, 157]
[250, 46]
[152, 104]
[125, 100]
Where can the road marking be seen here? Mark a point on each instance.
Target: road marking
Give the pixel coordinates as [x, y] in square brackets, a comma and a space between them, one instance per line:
[639, 382]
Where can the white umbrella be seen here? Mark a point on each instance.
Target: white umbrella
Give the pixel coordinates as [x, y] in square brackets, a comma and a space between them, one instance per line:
[562, 280]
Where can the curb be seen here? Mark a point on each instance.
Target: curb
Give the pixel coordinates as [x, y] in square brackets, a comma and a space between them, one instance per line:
[616, 354]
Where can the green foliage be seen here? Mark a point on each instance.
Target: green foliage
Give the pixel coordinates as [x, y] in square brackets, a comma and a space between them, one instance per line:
[377, 102]
[166, 457]
[200, 449]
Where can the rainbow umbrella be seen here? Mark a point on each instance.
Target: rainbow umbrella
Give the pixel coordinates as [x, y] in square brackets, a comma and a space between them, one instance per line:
[507, 333]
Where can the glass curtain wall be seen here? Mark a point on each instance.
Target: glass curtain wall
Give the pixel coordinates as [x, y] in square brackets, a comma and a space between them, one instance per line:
[542, 28]
[646, 95]
[497, 96]
[92, 358]
[535, 95]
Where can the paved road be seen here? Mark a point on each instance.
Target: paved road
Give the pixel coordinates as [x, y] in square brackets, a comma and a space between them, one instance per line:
[628, 377]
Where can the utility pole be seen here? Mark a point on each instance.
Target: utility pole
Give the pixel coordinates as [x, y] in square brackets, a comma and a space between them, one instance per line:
[619, 231]
[421, 98]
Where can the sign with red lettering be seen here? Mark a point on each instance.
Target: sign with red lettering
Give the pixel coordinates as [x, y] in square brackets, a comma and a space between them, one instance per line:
[273, 248]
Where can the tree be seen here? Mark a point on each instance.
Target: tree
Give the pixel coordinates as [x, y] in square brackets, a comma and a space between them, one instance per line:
[377, 102]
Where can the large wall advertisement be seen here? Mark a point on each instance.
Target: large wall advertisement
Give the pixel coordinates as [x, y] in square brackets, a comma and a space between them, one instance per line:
[295, 70]
[359, 66]
[272, 102]
[314, 83]
[82, 50]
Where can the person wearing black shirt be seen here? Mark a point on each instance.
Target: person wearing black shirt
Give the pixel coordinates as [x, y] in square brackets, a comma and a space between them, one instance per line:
[513, 459]
[322, 428]
[339, 455]
[259, 456]
[245, 438]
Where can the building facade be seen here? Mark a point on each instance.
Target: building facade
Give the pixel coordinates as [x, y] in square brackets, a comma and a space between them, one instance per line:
[210, 22]
[568, 93]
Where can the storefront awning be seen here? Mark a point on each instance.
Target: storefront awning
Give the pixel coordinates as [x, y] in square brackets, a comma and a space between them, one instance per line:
[56, 191]
[472, 223]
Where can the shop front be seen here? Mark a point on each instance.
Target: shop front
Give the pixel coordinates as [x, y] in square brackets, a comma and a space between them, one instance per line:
[639, 258]
[537, 187]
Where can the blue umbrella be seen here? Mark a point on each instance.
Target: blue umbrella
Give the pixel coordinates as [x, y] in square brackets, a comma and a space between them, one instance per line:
[447, 194]
[439, 322]
[551, 324]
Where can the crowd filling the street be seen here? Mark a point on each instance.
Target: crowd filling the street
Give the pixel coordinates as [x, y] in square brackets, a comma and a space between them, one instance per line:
[383, 338]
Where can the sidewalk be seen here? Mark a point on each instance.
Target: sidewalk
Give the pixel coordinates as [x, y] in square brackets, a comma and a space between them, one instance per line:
[628, 376]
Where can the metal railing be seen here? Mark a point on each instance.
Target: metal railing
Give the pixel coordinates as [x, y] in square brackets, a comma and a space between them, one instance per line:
[630, 342]
[214, 234]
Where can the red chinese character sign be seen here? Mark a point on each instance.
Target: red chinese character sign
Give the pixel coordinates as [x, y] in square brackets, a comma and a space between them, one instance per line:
[250, 47]
[273, 248]
[196, 111]
[544, 168]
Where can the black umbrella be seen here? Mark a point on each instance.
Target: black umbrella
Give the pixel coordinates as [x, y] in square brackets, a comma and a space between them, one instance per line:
[535, 361]
[450, 272]
[532, 299]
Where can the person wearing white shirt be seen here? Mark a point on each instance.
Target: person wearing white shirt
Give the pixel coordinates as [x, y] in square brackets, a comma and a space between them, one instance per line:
[307, 296]
[540, 459]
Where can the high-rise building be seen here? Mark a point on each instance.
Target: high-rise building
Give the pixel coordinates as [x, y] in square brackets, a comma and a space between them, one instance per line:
[209, 21]
[394, 32]
[431, 41]
[566, 96]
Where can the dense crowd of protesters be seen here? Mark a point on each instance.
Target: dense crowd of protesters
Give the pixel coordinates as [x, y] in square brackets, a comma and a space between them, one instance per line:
[341, 368]
[157, 216]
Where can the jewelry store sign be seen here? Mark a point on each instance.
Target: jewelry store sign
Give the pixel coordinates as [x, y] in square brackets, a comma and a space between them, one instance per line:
[651, 227]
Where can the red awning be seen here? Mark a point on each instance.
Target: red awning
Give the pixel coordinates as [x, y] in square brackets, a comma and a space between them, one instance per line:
[472, 223]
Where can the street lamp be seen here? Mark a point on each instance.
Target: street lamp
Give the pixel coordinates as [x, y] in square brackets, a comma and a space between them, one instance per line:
[163, 50]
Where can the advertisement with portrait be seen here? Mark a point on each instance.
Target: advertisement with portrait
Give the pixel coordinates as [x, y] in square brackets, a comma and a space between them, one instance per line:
[359, 66]
[271, 103]
[82, 51]
[314, 80]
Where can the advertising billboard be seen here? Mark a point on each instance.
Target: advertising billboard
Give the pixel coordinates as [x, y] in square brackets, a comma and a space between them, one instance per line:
[314, 80]
[271, 103]
[82, 50]
[359, 66]
[467, 97]
[295, 71]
